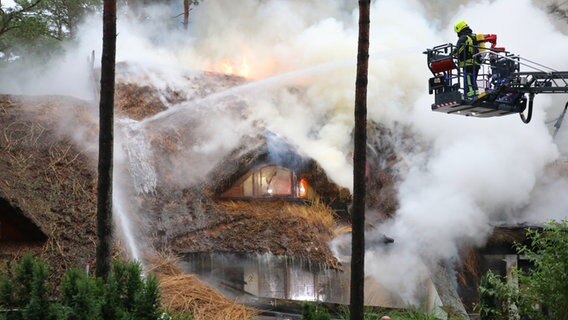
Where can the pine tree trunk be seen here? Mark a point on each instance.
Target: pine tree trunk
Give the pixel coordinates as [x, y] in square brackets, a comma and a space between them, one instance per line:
[186, 14]
[357, 294]
[106, 127]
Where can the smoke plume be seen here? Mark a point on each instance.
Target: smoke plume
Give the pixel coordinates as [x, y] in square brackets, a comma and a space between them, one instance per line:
[463, 175]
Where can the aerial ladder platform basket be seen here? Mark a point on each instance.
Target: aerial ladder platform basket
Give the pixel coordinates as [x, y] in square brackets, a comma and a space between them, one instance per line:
[503, 88]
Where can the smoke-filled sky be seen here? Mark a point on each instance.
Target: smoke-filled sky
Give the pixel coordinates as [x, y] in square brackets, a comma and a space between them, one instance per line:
[463, 174]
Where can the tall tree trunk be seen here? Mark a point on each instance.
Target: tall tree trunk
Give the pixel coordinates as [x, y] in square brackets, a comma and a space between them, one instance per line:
[357, 294]
[106, 128]
[186, 14]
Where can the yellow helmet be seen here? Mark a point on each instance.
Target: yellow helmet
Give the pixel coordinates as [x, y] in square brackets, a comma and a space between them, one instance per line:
[460, 25]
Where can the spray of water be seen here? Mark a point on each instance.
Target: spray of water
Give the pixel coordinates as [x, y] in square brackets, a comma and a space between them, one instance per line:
[124, 222]
[275, 82]
[139, 155]
[462, 175]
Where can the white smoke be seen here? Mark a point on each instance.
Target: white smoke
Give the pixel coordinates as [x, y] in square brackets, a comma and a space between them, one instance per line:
[473, 172]
[464, 173]
[476, 171]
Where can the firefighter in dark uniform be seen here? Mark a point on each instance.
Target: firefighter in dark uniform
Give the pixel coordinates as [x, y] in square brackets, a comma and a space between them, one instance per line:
[467, 49]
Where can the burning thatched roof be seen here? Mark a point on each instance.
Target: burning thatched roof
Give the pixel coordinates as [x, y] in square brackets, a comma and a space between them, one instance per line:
[141, 92]
[268, 148]
[52, 180]
[277, 227]
[196, 220]
[46, 177]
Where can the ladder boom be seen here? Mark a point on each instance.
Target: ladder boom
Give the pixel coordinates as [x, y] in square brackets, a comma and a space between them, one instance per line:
[540, 82]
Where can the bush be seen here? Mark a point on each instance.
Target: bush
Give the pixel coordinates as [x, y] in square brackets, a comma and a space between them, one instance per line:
[376, 313]
[81, 296]
[543, 289]
[26, 288]
[546, 284]
[311, 311]
[37, 307]
[147, 300]
[497, 299]
[127, 294]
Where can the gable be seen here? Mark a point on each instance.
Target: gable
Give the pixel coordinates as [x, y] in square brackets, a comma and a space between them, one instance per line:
[267, 181]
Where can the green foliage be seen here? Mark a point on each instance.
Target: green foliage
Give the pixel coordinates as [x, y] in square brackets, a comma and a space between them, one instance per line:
[124, 284]
[24, 280]
[147, 300]
[312, 311]
[395, 314]
[38, 304]
[62, 17]
[6, 292]
[37, 28]
[497, 299]
[546, 284]
[543, 290]
[25, 287]
[127, 295]
[81, 295]
[411, 315]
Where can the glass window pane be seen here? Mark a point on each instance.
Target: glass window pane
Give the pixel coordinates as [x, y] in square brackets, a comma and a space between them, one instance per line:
[282, 182]
[247, 187]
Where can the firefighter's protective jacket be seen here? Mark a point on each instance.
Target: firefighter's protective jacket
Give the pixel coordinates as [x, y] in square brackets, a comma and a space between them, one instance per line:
[467, 50]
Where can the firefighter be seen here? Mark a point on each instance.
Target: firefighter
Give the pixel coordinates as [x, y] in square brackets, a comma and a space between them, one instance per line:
[466, 51]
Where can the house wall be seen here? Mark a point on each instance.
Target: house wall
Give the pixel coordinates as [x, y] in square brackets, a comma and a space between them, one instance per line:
[281, 277]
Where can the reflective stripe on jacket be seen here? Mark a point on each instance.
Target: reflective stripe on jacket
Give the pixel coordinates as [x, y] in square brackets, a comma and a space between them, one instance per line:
[467, 47]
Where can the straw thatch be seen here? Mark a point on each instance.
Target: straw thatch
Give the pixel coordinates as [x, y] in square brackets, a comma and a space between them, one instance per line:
[276, 227]
[48, 171]
[186, 294]
[47, 178]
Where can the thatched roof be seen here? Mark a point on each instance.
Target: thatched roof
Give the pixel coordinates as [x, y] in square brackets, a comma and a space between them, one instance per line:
[277, 227]
[187, 294]
[52, 181]
[46, 177]
[253, 151]
[49, 173]
[269, 148]
[194, 220]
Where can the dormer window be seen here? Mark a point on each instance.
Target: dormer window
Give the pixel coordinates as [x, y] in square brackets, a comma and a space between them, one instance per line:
[268, 181]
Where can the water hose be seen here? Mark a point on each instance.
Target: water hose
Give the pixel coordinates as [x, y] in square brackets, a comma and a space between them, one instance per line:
[559, 120]
[529, 115]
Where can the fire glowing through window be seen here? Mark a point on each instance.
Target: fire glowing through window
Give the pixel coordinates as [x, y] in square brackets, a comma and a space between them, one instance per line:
[269, 181]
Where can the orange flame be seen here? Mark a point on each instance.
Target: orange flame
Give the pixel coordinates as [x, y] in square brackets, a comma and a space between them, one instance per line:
[245, 68]
[226, 67]
[230, 67]
[303, 188]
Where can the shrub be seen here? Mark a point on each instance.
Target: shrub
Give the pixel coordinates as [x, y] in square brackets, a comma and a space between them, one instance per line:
[543, 289]
[127, 294]
[546, 284]
[81, 296]
[37, 307]
[311, 311]
[497, 299]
